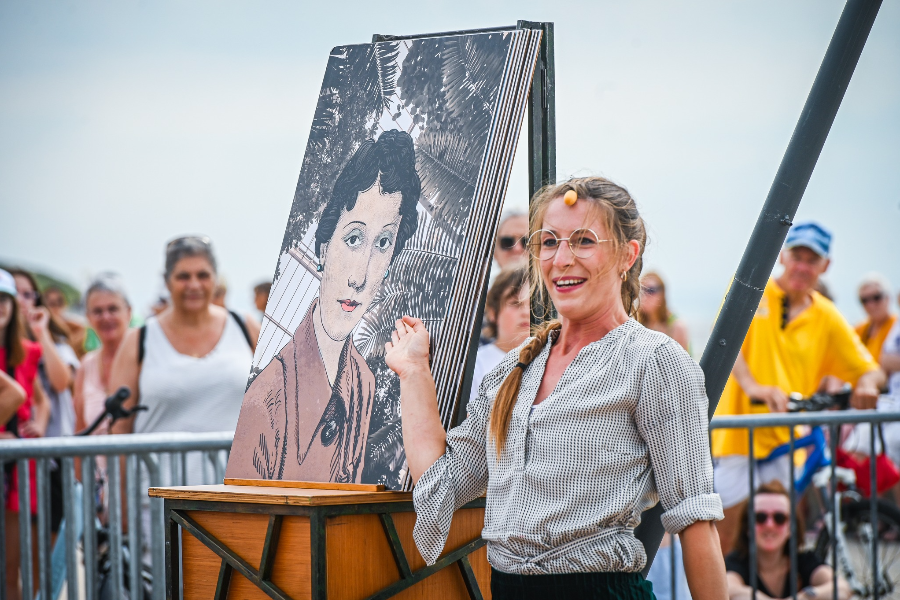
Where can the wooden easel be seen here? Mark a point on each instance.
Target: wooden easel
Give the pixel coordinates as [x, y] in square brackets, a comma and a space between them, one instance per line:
[292, 540]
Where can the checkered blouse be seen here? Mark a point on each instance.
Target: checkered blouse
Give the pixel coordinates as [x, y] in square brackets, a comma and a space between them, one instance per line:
[625, 427]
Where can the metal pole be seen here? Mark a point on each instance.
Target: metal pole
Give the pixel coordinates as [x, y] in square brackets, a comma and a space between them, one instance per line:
[777, 215]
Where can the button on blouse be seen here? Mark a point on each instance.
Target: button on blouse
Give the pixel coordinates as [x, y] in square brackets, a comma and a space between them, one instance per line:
[625, 427]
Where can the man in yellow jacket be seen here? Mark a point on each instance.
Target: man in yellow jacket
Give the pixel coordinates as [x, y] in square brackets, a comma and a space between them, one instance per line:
[797, 339]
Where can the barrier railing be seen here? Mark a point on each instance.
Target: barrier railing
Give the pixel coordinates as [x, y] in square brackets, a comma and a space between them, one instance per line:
[858, 535]
[191, 458]
[92, 509]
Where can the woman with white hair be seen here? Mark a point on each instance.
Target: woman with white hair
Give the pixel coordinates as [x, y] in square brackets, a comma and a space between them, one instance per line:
[109, 313]
[875, 297]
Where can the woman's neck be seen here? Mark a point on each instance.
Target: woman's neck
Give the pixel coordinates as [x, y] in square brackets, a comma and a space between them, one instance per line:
[876, 323]
[329, 348]
[769, 561]
[576, 334]
[190, 318]
[109, 348]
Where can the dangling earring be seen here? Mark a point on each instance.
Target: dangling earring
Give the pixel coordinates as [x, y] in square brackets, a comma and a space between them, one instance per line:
[319, 268]
[386, 273]
[624, 275]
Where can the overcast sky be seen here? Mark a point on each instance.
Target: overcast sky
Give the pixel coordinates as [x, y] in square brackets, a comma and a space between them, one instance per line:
[125, 124]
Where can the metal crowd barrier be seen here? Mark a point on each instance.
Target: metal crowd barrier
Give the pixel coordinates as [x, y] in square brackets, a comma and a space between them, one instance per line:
[832, 420]
[150, 459]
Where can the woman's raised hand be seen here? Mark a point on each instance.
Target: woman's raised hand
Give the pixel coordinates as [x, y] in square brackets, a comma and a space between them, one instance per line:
[408, 349]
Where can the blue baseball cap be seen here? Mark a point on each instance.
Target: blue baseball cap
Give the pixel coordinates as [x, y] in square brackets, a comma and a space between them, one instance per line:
[7, 283]
[809, 235]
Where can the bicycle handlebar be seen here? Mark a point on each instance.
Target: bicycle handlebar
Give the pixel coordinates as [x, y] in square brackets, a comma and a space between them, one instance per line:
[817, 402]
[112, 407]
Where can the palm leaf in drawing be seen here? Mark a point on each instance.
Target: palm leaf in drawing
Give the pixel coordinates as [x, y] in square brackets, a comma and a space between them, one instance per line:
[472, 67]
[359, 84]
[419, 285]
[448, 167]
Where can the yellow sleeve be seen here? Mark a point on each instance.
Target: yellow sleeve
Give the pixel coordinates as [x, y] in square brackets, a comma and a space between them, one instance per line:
[847, 358]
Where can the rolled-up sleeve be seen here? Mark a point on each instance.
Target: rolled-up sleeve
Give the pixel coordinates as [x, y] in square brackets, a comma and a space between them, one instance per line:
[672, 418]
[456, 478]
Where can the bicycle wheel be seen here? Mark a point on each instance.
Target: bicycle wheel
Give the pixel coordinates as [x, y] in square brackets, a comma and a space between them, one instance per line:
[856, 519]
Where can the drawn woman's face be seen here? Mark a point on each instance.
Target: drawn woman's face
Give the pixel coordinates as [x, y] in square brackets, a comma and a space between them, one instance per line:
[356, 258]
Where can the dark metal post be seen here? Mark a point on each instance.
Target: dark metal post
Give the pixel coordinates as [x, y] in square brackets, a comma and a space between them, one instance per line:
[777, 214]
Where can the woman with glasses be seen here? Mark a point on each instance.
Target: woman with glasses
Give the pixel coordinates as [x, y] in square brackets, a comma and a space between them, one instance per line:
[771, 518]
[875, 297]
[578, 430]
[654, 311]
[189, 364]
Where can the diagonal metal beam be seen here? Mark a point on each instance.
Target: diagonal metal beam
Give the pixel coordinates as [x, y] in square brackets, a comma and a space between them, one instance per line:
[776, 216]
[390, 531]
[468, 575]
[224, 581]
[226, 554]
[270, 547]
[417, 576]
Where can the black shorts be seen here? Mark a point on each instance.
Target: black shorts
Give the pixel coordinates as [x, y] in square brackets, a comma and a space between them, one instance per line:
[570, 586]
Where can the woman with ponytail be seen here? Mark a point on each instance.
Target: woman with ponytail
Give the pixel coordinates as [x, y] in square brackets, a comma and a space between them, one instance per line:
[577, 431]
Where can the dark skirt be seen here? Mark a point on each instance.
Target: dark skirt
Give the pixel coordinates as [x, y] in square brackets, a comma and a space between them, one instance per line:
[571, 586]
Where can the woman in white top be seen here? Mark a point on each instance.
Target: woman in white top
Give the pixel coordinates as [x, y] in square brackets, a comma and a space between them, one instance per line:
[591, 422]
[188, 365]
[508, 320]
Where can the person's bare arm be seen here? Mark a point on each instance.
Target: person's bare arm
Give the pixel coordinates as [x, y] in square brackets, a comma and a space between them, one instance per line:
[11, 397]
[58, 372]
[774, 397]
[253, 328]
[126, 371]
[821, 581]
[424, 437]
[680, 333]
[78, 399]
[868, 387]
[40, 413]
[703, 562]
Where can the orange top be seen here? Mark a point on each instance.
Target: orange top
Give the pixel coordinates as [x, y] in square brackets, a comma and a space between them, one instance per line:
[874, 340]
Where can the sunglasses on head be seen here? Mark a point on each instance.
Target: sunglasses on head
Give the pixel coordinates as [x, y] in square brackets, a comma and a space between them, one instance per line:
[202, 239]
[779, 518]
[873, 298]
[508, 242]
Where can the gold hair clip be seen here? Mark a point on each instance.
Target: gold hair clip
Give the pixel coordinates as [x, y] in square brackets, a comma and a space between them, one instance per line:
[571, 197]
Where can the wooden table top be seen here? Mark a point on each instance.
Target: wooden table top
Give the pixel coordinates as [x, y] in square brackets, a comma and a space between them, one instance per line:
[274, 495]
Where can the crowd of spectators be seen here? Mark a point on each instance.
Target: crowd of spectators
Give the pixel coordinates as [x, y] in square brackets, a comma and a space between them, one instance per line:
[188, 365]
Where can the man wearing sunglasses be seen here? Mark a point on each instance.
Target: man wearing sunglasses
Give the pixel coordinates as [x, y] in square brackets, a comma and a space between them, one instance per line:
[510, 248]
[797, 342]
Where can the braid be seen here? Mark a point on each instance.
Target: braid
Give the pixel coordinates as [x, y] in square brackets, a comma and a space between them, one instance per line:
[501, 412]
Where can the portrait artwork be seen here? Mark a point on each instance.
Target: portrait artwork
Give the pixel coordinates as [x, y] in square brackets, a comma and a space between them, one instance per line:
[404, 169]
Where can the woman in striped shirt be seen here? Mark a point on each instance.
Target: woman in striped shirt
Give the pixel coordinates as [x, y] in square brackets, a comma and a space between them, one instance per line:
[579, 430]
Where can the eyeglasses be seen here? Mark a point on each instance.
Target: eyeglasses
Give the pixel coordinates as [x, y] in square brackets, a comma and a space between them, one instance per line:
[650, 290]
[29, 295]
[873, 298]
[508, 242]
[778, 517]
[583, 243]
